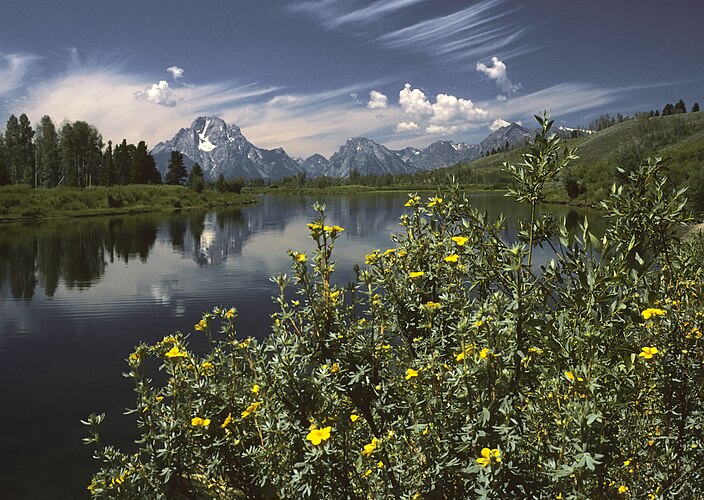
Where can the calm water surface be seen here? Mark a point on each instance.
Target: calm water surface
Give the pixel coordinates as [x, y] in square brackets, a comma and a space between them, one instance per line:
[77, 295]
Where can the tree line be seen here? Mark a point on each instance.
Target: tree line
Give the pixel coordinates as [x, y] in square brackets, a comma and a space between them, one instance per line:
[606, 120]
[74, 154]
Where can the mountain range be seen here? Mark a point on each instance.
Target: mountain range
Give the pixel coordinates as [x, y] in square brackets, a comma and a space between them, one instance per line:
[220, 148]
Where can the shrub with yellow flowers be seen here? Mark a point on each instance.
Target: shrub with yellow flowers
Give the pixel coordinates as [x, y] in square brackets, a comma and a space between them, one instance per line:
[454, 367]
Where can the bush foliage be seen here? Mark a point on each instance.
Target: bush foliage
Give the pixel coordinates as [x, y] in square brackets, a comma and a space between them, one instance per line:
[454, 367]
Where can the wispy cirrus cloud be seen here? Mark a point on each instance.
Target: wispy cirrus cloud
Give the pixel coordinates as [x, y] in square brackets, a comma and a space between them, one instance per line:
[335, 13]
[13, 68]
[476, 31]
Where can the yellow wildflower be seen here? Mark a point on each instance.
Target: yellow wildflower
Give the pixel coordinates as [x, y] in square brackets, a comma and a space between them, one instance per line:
[354, 417]
[175, 353]
[412, 201]
[368, 473]
[197, 421]
[460, 240]
[369, 448]
[648, 352]
[570, 376]
[208, 368]
[410, 373]
[134, 357]
[416, 274]
[627, 462]
[334, 295]
[452, 258]
[460, 356]
[201, 325]
[380, 464]
[228, 421]
[487, 456]
[389, 251]
[478, 323]
[434, 201]
[300, 257]
[230, 313]
[386, 347]
[251, 409]
[484, 353]
[433, 305]
[255, 389]
[317, 436]
[651, 312]
[622, 489]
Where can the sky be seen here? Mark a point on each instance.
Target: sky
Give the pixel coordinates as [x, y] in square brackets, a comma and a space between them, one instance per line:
[306, 75]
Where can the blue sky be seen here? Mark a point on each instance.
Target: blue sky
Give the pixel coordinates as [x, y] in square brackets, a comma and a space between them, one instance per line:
[308, 74]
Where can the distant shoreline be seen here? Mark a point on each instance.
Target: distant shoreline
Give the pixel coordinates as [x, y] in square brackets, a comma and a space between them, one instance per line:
[20, 203]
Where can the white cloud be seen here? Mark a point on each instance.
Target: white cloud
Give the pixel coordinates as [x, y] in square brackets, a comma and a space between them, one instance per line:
[497, 72]
[406, 127]
[500, 98]
[13, 68]
[335, 13]
[158, 93]
[473, 32]
[497, 124]
[377, 100]
[414, 102]
[448, 114]
[176, 72]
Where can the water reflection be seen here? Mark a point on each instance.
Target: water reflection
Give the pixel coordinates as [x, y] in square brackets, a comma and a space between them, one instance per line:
[76, 252]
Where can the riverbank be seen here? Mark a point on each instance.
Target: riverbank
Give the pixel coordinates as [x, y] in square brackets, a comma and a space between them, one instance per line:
[357, 188]
[22, 203]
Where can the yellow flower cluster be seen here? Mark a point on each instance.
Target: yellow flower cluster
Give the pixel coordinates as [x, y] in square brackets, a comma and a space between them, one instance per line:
[652, 312]
[175, 353]
[251, 409]
[432, 306]
[460, 240]
[488, 455]
[299, 257]
[230, 314]
[201, 325]
[467, 350]
[200, 422]
[317, 436]
[410, 373]
[412, 201]
[434, 201]
[452, 258]
[369, 448]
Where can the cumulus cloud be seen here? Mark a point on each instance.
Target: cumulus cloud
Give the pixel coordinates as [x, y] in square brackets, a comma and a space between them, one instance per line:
[501, 98]
[448, 114]
[497, 124]
[377, 100]
[414, 102]
[176, 72]
[497, 72]
[158, 93]
[406, 127]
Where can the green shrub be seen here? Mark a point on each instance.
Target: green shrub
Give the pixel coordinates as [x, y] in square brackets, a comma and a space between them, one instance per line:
[452, 367]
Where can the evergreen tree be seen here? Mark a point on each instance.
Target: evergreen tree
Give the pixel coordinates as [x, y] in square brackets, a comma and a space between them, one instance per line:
[48, 159]
[4, 172]
[121, 160]
[680, 107]
[669, 109]
[196, 181]
[143, 167]
[26, 152]
[176, 172]
[109, 173]
[12, 146]
[695, 108]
